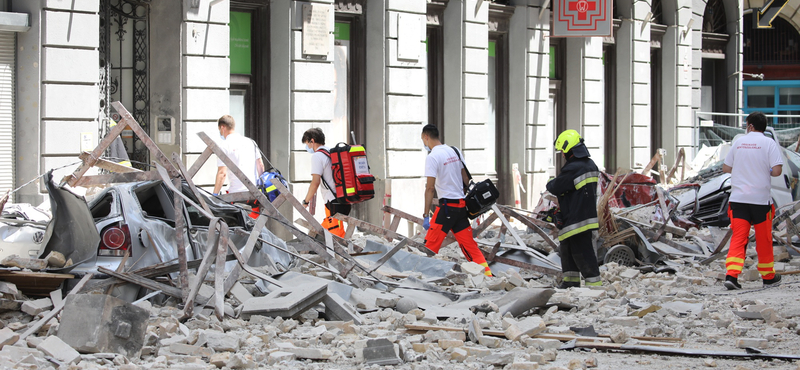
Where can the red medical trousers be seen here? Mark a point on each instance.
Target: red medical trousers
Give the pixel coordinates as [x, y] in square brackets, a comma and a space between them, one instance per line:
[743, 216]
[452, 215]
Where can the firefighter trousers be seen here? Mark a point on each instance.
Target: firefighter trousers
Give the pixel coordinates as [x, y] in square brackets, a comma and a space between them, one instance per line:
[578, 258]
[743, 216]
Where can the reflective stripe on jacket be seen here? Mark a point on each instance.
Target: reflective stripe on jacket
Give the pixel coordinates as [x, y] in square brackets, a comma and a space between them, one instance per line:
[576, 189]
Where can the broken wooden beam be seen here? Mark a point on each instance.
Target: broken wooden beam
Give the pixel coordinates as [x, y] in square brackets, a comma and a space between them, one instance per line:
[383, 232]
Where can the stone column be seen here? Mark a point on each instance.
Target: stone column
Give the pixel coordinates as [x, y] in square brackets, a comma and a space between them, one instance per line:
[475, 83]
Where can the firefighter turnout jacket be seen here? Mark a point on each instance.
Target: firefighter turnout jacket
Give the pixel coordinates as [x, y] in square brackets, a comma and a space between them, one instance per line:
[576, 189]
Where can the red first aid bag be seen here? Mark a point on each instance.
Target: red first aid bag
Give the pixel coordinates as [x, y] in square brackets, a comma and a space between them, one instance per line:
[353, 182]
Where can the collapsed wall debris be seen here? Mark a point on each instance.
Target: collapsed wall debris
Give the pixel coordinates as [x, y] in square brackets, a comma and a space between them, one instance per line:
[216, 290]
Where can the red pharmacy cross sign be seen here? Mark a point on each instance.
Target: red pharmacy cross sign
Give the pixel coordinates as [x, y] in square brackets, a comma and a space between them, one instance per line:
[582, 18]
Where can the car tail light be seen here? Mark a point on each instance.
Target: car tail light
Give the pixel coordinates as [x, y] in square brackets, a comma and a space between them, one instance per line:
[114, 241]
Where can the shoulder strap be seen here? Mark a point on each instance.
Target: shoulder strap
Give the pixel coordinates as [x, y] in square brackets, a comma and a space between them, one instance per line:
[469, 175]
[322, 176]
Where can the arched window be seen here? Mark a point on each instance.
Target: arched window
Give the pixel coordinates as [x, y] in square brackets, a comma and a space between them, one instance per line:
[779, 45]
[714, 20]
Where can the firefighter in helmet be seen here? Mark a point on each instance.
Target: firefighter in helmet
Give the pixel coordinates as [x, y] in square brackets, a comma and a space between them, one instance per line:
[576, 189]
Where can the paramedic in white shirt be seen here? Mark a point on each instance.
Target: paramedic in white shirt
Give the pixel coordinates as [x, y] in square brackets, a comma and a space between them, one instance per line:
[753, 158]
[314, 141]
[446, 177]
[242, 151]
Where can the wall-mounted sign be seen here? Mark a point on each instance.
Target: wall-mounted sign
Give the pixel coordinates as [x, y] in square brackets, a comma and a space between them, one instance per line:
[582, 18]
[241, 43]
[316, 29]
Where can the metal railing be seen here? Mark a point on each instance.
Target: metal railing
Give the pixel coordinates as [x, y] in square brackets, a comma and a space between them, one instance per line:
[715, 128]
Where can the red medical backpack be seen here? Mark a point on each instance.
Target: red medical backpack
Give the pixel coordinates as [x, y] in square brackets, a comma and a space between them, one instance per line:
[354, 183]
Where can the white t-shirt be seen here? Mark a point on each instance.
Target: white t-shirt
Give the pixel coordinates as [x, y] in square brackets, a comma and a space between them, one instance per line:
[242, 151]
[321, 165]
[443, 164]
[752, 157]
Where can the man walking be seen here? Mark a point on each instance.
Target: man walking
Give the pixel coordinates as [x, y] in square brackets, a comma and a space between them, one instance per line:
[446, 177]
[753, 158]
[576, 189]
[242, 151]
[322, 173]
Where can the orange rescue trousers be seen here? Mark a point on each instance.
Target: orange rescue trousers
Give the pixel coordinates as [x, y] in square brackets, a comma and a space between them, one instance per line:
[743, 216]
[451, 215]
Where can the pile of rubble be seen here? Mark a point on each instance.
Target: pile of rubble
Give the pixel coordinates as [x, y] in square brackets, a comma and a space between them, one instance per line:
[237, 297]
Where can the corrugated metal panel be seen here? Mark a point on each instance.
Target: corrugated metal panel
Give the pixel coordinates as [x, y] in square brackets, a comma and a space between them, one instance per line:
[7, 56]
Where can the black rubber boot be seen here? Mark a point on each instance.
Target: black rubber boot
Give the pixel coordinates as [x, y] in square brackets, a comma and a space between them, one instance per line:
[569, 284]
[732, 283]
[774, 281]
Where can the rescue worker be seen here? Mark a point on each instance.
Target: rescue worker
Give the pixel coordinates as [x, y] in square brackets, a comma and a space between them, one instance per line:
[576, 189]
[322, 173]
[244, 152]
[447, 177]
[753, 158]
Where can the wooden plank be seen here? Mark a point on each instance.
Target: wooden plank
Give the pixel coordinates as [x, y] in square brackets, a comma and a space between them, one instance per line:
[527, 222]
[155, 151]
[394, 225]
[219, 271]
[146, 283]
[383, 232]
[199, 162]
[389, 254]
[351, 228]
[476, 232]
[449, 239]
[95, 155]
[56, 309]
[521, 243]
[179, 163]
[531, 217]
[299, 207]
[270, 210]
[180, 232]
[108, 165]
[230, 281]
[211, 247]
[240, 197]
[114, 178]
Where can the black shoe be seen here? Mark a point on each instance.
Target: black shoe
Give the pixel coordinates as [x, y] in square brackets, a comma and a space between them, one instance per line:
[775, 281]
[569, 284]
[732, 283]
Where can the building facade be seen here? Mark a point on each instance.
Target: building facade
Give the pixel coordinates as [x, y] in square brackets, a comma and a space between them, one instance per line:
[488, 73]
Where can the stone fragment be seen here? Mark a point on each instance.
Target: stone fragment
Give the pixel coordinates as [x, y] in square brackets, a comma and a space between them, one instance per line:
[475, 330]
[8, 337]
[280, 357]
[8, 288]
[514, 278]
[240, 293]
[38, 306]
[751, 342]
[620, 336]
[221, 342]
[337, 309]
[190, 350]
[459, 354]
[286, 302]
[592, 293]
[530, 326]
[521, 300]
[309, 353]
[380, 352]
[422, 347]
[709, 363]
[542, 344]
[499, 359]
[93, 323]
[9, 305]
[472, 268]
[219, 359]
[591, 362]
[387, 301]
[450, 343]
[491, 342]
[405, 305]
[24, 263]
[523, 365]
[477, 351]
[629, 273]
[750, 275]
[623, 320]
[55, 347]
[575, 364]
[56, 259]
[238, 361]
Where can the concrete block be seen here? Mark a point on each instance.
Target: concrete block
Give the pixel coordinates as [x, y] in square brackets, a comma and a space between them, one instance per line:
[337, 309]
[380, 351]
[190, 350]
[450, 343]
[280, 357]
[472, 268]
[312, 106]
[205, 104]
[409, 6]
[406, 81]
[8, 288]
[309, 353]
[593, 91]
[629, 273]
[405, 109]
[70, 29]
[64, 137]
[477, 136]
[38, 306]
[476, 35]
[54, 347]
[55, 259]
[286, 302]
[403, 136]
[538, 66]
[240, 293]
[212, 11]
[69, 65]
[386, 300]
[206, 39]
[476, 60]
[206, 72]
[300, 167]
[99, 323]
[459, 355]
[8, 337]
[523, 365]
[476, 110]
[623, 320]
[491, 342]
[475, 85]
[530, 326]
[311, 76]
[91, 6]
[478, 352]
[70, 101]
[752, 342]
[641, 94]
